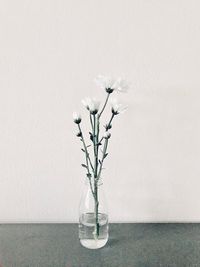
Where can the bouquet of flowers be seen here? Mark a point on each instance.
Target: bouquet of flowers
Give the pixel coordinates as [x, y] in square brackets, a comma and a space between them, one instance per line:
[95, 149]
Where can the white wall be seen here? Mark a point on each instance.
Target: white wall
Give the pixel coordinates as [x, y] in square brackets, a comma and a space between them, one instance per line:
[50, 51]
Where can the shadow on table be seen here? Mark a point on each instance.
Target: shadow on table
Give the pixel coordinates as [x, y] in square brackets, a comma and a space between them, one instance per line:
[112, 242]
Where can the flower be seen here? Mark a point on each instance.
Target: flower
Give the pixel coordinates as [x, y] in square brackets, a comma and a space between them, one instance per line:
[116, 107]
[110, 84]
[105, 82]
[91, 104]
[107, 135]
[121, 85]
[76, 117]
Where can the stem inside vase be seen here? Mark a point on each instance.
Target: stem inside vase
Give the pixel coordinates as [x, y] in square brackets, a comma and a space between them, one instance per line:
[96, 201]
[96, 208]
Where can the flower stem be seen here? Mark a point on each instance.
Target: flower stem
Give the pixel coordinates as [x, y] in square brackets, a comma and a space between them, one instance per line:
[103, 157]
[87, 159]
[104, 104]
[91, 121]
[96, 202]
[108, 125]
[111, 119]
[96, 208]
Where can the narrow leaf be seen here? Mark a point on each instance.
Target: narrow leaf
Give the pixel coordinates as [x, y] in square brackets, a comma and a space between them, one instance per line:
[105, 155]
[83, 165]
[91, 136]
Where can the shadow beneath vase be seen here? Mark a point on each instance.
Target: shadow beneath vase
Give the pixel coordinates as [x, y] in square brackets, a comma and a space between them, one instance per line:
[115, 241]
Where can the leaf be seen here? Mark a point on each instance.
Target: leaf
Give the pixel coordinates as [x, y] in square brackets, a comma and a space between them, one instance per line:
[105, 155]
[84, 166]
[89, 175]
[88, 145]
[79, 134]
[82, 149]
[91, 136]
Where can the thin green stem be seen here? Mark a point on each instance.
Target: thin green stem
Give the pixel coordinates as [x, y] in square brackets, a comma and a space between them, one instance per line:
[91, 163]
[85, 147]
[96, 202]
[111, 119]
[91, 121]
[97, 139]
[108, 125]
[104, 104]
[95, 134]
[103, 157]
[96, 210]
[87, 159]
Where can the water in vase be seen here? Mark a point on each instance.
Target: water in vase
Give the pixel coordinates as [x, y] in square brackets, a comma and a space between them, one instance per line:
[87, 230]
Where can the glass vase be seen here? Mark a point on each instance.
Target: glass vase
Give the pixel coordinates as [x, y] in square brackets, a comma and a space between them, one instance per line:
[93, 216]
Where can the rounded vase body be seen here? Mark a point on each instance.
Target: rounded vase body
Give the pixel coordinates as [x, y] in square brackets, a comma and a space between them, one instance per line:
[93, 217]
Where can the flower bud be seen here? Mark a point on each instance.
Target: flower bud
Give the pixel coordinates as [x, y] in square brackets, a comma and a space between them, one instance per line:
[91, 104]
[79, 134]
[107, 135]
[108, 126]
[77, 117]
[109, 90]
[116, 107]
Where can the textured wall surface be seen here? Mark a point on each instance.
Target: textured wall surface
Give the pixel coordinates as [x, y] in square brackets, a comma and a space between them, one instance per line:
[50, 51]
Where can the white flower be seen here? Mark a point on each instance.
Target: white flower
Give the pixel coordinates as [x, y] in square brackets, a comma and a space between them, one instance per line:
[86, 102]
[107, 135]
[121, 85]
[116, 107]
[76, 117]
[91, 104]
[105, 82]
[110, 84]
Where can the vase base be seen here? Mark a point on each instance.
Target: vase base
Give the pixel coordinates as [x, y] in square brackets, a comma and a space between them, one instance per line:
[93, 244]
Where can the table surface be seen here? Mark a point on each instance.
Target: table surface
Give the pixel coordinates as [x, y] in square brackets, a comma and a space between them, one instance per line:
[129, 245]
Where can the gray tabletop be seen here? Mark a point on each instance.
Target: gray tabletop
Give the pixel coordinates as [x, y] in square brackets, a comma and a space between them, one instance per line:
[130, 245]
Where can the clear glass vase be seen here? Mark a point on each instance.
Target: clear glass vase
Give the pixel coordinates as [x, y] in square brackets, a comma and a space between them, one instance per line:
[93, 216]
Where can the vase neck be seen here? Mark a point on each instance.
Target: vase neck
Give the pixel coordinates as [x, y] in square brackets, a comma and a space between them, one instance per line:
[87, 182]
